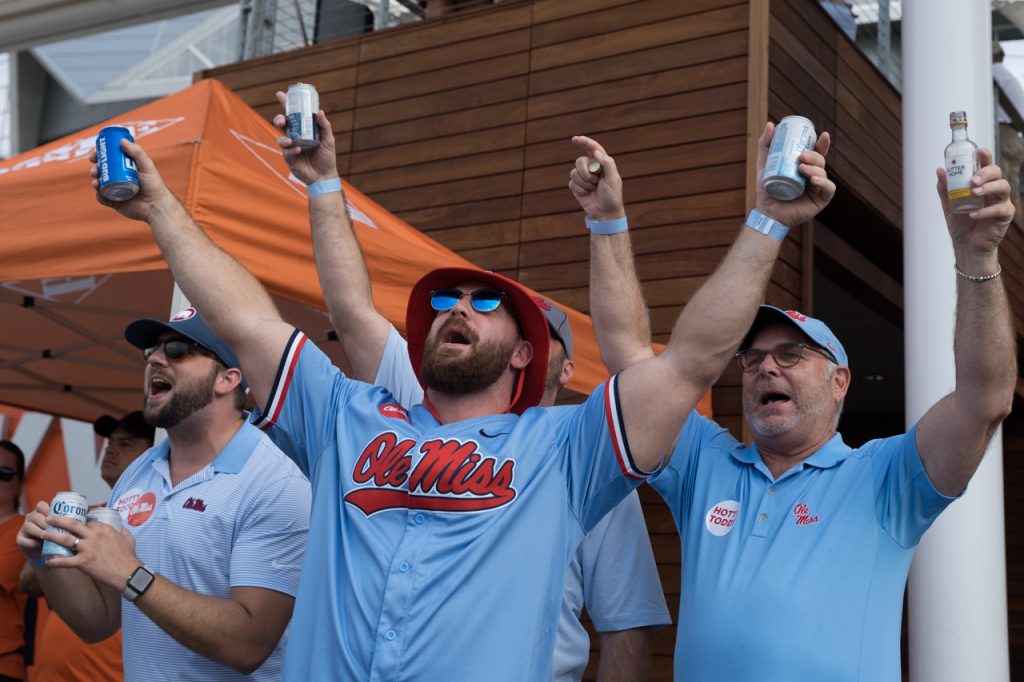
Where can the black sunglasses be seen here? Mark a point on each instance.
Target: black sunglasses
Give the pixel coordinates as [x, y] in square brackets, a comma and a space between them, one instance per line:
[483, 300]
[174, 349]
[7, 473]
[784, 354]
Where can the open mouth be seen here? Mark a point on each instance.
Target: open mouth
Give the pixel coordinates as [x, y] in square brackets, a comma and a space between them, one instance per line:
[774, 398]
[455, 336]
[158, 387]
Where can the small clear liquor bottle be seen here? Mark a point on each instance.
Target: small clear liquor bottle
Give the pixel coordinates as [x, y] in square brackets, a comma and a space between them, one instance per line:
[961, 165]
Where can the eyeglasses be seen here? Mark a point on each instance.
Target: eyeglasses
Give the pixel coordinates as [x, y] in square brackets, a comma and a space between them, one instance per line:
[7, 473]
[174, 349]
[483, 300]
[784, 354]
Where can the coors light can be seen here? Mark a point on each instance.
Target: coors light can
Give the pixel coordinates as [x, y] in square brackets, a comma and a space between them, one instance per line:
[300, 114]
[67, 504]
[793, 136]
[118, 176]
[106, 515]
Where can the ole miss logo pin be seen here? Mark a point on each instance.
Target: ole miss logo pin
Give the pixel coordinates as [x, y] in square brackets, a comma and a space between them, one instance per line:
[394, 411]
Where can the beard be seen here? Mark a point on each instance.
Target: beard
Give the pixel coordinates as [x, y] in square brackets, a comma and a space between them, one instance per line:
[466, 372]
[187, 399]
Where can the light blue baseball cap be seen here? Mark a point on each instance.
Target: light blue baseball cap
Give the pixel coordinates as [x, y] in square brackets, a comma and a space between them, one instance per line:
[814, 329]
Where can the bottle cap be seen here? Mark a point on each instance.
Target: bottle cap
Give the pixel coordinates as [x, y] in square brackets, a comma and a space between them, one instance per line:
[957, 118]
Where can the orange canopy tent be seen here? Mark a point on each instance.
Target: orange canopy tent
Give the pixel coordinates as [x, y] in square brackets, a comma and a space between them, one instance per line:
[73, 273]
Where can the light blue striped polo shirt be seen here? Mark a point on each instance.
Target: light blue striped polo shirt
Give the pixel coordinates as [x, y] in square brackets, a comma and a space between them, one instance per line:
[241, 521]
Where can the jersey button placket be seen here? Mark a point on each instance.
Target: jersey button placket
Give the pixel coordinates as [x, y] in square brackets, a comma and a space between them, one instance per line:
[765, 512]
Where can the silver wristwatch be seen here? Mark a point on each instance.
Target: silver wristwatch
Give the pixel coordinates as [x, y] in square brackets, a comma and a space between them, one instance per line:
[138, 582]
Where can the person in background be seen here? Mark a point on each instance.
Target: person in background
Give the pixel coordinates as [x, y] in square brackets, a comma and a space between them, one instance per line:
[12, 599]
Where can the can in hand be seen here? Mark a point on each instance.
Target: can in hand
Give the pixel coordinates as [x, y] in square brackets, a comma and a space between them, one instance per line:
[118, 175]
[67, 504]
[782, 178]
[106, 515]
[301, 106]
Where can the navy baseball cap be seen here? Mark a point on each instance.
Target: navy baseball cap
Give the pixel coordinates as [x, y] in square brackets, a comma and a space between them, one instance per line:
[816, 330]
[145, 332]
[134, 423]
[558, 323]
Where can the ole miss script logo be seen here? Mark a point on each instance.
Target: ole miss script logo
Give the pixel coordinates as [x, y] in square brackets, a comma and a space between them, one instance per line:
[450, 475]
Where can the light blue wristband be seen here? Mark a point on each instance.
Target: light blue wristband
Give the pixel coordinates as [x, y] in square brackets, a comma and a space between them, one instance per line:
[767, 226]
[607, 226]
[324, 187]
[36, 562]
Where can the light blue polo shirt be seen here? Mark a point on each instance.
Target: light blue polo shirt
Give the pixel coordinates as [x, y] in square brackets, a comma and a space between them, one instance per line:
[241, 521]
[800, 578]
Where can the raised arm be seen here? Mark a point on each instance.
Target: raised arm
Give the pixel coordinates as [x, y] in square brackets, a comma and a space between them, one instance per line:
[231, 300]
[953, 434]
[621, 321]
[658, 393]
[344, 280]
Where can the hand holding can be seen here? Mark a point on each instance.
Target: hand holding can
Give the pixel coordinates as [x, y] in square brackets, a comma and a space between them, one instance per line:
[68, 504]
[116, 171]
[301, 107]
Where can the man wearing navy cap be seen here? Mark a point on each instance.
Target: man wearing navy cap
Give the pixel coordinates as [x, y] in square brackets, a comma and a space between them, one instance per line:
[127, 438]
[796, 548]
[204, 575]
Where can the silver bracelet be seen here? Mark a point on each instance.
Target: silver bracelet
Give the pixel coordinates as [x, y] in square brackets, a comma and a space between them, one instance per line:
[978, 278]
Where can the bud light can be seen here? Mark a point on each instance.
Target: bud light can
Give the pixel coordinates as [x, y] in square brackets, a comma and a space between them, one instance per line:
[793, 136]
[67, 504]
[300, 114]
[118, 176]
[106, 515]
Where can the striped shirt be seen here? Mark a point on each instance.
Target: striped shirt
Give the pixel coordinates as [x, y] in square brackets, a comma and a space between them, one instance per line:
[241, 521]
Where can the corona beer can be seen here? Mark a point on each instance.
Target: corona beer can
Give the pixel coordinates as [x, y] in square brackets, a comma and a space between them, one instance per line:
[300, 113]
[793, 136]
[67, 504]
[106, 515]
[118, 176]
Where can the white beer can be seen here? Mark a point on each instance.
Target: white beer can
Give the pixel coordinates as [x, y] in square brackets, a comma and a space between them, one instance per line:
[301, 107]
[782, 178]
[71, 505]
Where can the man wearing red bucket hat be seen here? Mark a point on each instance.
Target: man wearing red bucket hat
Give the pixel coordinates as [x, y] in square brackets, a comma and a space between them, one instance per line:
[441, 533]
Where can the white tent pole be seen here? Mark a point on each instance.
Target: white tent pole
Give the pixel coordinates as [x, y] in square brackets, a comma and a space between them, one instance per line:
[957, 596]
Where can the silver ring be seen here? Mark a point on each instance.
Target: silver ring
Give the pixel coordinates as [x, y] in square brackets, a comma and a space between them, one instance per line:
[75, 546]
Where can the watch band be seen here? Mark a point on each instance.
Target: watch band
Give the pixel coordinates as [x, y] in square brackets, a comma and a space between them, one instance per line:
[139, 581]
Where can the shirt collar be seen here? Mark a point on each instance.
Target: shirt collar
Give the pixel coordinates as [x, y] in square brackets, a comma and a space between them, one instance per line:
[828, 455]
[230, 460]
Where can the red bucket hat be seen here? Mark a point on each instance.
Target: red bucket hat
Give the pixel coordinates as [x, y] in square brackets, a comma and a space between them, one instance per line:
[419, 316]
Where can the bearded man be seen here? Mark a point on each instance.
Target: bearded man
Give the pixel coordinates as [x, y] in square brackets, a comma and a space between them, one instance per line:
[215, 520]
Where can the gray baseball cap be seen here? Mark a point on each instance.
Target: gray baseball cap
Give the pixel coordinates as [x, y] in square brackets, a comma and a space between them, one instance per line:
[558, 323]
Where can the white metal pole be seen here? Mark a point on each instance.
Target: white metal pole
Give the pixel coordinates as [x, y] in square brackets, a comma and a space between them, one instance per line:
[957, 592]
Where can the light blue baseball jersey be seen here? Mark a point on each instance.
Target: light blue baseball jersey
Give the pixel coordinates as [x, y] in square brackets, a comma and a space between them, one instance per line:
[612, 571]
[438, 550]
[799, 578]
[241, 521]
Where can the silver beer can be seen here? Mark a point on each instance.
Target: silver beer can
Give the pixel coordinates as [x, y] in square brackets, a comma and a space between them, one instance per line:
[301, 107]
[67, 504]
[106, 515]
[793, 136]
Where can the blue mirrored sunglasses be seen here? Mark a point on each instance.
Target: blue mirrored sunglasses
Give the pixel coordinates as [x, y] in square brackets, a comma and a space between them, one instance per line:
[482, 300]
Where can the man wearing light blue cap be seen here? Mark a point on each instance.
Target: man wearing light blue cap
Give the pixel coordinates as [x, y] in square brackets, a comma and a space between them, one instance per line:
[796, 548]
